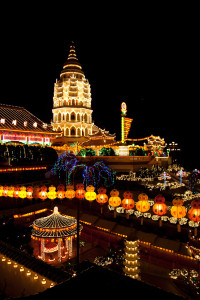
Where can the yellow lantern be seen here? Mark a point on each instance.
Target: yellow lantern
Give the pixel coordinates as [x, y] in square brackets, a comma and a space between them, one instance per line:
[178, 210]
[70, 192]
[52, 192]
[142, 205]
[10, 191]
[22, 192]
[90, 195]
[1, 190]
[5, 191]
[114, 200]
[128, 202]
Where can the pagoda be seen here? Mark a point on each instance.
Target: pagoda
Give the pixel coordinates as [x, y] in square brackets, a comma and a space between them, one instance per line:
[72, 113]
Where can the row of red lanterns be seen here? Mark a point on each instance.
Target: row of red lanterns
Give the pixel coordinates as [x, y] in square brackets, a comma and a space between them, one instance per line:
[159, 208]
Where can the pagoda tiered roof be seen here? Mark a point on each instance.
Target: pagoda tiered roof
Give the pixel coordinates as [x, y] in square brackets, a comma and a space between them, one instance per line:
[100, 137]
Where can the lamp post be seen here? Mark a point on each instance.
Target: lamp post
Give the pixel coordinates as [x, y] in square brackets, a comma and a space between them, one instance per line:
[80, 194]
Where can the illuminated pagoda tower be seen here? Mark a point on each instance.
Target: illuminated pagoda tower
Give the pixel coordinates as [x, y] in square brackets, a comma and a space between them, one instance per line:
[72, 113]
[131, 259]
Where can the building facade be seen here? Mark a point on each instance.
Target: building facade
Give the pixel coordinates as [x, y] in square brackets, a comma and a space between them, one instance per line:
[72, 113]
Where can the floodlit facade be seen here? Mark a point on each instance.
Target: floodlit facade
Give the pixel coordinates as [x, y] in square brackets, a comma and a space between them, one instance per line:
[72, 113]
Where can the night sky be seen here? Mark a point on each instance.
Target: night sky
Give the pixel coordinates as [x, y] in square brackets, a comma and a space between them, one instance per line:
[149, 60]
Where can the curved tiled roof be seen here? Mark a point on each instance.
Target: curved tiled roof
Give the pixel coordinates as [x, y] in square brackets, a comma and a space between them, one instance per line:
[55, 225]
[16, 118]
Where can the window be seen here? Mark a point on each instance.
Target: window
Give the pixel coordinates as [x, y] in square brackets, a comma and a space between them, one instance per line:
[2, 121]
[14, 122]
[73, 131]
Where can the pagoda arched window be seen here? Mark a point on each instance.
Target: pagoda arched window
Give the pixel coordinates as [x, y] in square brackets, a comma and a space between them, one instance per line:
[73, 116]
[73, 131]
[59, 117]
[67, 117]
[85, 118]
[86, 131]
[78, 132]
[78, 117]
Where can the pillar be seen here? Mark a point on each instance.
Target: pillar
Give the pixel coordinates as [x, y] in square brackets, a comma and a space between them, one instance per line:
[59, 250]
[42, 249]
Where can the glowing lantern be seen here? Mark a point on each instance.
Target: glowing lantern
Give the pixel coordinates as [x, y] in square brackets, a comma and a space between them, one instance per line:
[142, 205]
[70, 192]
[43, 192]
[90, 195]
[114, 200]
[5, 191]
[16, 192]
[128, 202]
[36, 192]
[102, 197]
[29, 192]
[11, 191]
[80, 192]
[159, 208]
[178, 210]
[194, 212]
[61, 191]
[52, 192]
[22, 192]
[1, 190]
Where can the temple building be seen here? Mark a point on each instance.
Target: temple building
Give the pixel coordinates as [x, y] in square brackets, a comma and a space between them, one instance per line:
[72, 113]
[17, 125]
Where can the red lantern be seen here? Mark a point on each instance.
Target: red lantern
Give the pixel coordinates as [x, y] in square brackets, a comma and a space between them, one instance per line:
[159, 208]
[80, 192]
[61, 191]
[36, 192]
[194, 212]
[128, 202]
[43, 192]
[102, 197]
[29, 192]
[16, 192]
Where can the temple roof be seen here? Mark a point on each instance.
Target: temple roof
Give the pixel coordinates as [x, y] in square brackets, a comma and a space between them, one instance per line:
[72, 64]
[54, 225]
[100, 137]
[16, 118]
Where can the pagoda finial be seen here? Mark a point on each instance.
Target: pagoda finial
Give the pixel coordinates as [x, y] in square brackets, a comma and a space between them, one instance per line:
[72, 51]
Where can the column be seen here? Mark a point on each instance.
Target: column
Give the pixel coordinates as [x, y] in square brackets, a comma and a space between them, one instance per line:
[59, 250]
[42, 249]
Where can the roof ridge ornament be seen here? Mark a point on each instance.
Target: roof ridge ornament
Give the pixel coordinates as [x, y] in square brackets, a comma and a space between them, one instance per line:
[55, 210]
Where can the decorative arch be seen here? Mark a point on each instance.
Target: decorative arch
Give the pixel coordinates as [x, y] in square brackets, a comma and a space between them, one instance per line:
[85, 118]
[86, 131]
[79, 132]
[73, 131]
[67, 117]
[59, 117]
[78, 117]
[73, 116]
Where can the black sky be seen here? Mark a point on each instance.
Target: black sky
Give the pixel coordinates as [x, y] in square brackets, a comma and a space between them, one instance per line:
[147, 57]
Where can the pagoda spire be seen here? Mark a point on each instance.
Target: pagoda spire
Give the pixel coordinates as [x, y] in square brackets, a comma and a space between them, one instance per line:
[72, 52]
